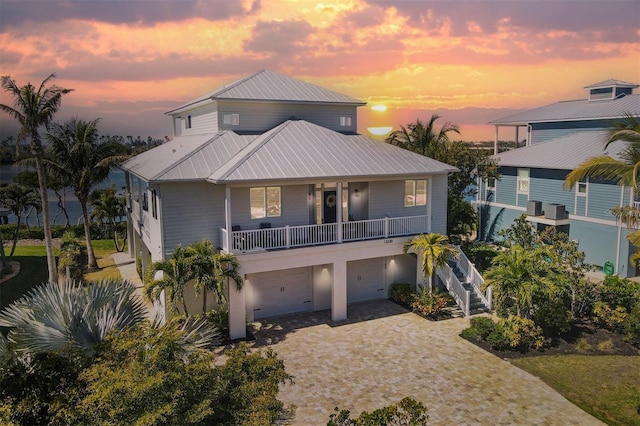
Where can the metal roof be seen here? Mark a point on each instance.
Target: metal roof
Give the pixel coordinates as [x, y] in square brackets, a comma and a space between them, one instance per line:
[187, 157]
[612, 83]
[564, 153]
[302, 150]
[266, 85]
[576, 110]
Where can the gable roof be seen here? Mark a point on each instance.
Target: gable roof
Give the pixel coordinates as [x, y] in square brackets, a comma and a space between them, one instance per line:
[612, 83]
[576, 110]
[266, 85]
[292, 150]
[564, 153]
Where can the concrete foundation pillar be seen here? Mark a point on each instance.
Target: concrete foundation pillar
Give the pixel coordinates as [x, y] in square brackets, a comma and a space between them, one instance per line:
[237, 312]
[339, 291]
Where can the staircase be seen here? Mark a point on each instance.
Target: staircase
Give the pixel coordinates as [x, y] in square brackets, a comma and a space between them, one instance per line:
[463, 281]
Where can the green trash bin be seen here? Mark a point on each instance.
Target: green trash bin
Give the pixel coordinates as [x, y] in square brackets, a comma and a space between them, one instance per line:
[608, 268]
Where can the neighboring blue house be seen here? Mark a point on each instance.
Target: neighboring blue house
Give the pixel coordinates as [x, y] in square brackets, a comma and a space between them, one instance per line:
[561, 136]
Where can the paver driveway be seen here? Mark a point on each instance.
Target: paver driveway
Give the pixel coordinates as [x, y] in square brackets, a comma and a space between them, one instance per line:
[384, 353]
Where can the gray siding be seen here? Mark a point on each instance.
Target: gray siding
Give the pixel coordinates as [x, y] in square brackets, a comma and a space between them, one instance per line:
[506, 186]
[493, 219]
[546, 186]
[191, 212]
[602, 197]
[387, 199]
[541, 132]
[203, 120]
[262, 116]
[294, 205]
[581, 206]
[439, 204]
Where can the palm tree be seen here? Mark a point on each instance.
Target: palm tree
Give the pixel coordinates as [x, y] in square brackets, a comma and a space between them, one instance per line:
[81, 162]
[18, 198]
[202, 262]
[56, 318]
[109, 208]
[433, 250]
[423, 139]
[34, 109]
[176, 273]
[226, 267]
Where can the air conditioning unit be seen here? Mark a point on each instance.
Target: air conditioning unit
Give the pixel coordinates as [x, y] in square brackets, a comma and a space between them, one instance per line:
[554, 211]
[534, 208]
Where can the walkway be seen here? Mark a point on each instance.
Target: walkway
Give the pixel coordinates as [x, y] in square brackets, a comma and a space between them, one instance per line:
[127, 267]
[383, 353]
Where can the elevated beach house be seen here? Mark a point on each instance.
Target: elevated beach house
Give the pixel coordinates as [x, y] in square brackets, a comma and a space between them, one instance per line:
[271, 169]
[559, 137]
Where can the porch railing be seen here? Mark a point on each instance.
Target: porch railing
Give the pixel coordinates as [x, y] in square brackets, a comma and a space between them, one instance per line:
[474, 278]
[310, 235]
[455, 288]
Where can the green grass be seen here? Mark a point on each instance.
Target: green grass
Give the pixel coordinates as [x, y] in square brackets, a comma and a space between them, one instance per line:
[608, 387]
[103, 249]
[33, 272]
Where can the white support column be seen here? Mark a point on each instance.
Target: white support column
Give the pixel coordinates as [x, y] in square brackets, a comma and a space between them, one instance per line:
[237, 311]
[495, 143]
[419, 277]
[339, 291]
[517, 144]
[227, 218]
[339, 210]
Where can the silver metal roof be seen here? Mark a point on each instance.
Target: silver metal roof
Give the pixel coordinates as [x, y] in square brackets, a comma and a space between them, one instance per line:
[612, 83]
[266, 85]
[302, 150]
[564, 153]
[187, 157]
[576, 110]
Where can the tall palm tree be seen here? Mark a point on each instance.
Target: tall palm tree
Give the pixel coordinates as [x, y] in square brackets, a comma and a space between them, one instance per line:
[202, 262]
[423, 138]
[226, 267]
[35, 108]
[81, 162]
[433, 251]
[18, 198]
[109, 208]
[53, 317]
[176, 273]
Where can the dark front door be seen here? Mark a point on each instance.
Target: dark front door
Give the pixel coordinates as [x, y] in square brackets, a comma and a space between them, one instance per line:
[330, 203]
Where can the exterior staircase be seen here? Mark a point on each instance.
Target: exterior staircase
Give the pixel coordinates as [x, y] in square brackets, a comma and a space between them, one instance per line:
[463, 282]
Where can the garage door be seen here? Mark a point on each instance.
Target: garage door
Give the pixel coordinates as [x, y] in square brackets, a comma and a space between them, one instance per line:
[281, 292]
[365, 280]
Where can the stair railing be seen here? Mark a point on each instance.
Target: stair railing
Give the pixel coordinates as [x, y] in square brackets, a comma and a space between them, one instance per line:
[455, 288]
[474, 278]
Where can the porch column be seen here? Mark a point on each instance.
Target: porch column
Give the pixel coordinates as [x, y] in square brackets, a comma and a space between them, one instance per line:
[517, 144]
[495, 143]
[237, 312]
[227, 219]
[339, 210]
[339, 291]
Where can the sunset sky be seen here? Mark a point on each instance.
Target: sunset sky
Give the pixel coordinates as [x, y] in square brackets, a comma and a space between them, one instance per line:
[470, 61]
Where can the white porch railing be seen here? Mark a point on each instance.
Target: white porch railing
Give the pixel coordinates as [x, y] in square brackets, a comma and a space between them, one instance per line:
[474, 278]
[455, 288]
[311, 235]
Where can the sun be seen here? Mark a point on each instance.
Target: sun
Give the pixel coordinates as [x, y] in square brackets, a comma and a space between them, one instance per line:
[379, 108]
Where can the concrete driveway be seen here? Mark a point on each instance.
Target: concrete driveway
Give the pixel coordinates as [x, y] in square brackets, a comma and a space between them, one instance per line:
[383, 353]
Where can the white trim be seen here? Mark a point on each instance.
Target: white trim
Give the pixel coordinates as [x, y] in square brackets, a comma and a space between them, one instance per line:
[519, 180]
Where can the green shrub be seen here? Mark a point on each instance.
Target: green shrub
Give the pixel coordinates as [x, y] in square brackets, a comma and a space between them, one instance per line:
[429, 304]
[402, 293]
[483, 325]
[72, 255]
[481, 255]
[139, 267]
[607, 317]
[616, 291]
[497, 339]
[516, 333]
[406, 412]
[553, 317]
[632, 325]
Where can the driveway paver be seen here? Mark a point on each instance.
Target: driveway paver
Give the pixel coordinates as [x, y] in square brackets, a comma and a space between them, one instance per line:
[383, 353]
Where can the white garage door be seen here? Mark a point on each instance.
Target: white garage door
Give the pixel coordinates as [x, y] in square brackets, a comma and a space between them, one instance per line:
[281, 292]
[365, 280]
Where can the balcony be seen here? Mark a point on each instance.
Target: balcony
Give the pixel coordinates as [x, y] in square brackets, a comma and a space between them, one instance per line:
[289, 237]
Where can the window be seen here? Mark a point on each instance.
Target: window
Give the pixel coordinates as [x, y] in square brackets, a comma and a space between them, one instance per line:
[187, 124]
[523, 181]
[415, 193]
[231, 119]
[346, 121]
[581, 187]
[154, 204]
[491, 184]
[265, 202]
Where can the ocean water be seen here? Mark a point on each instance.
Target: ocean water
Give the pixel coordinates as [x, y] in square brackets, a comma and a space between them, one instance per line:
[70, 202]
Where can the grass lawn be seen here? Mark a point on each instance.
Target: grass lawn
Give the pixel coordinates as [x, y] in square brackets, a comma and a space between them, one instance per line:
[103, 250]
[33, 272]
[607, 387]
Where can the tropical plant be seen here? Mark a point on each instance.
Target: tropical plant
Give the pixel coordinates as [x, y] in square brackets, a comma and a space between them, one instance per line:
[433, 251]
[108, 209]
[55, 317]
[81, 162]
[176, 273]
[520, 233]
[35, 108]
[407, 412]
[72, 256]
[423, 138]
[18, 198]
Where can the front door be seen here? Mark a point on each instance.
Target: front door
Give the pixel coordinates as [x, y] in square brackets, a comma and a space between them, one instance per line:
[330, 203]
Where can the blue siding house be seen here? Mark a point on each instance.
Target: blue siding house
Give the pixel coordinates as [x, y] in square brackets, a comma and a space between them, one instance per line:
[559, 137]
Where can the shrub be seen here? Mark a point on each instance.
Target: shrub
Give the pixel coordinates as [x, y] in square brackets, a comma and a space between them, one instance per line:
[553, 317]
[139, 267]
[516, 333]
[481, 255]
[583, 346]
[483, 325]
[616, 291]
[610, 318]
[429, 304]
[72, 255]
[402, 293]
[632, 325]
[406, 412]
